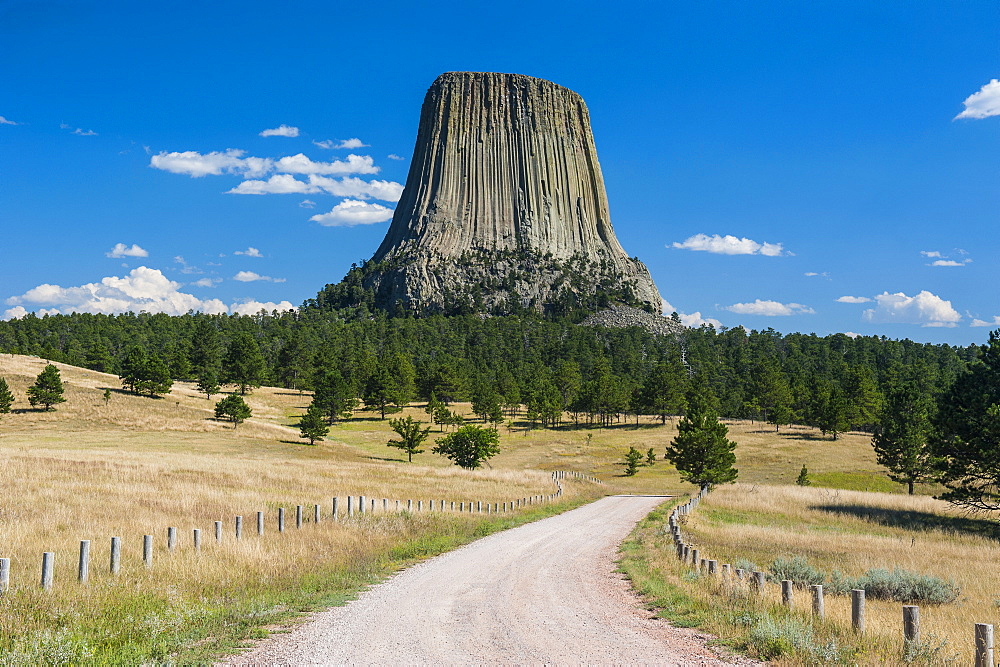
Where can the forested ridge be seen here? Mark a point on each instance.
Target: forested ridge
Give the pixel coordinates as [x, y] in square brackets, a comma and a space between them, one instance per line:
[556, 369]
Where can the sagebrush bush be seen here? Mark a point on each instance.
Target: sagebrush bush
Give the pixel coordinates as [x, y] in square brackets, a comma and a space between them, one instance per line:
[905, 586]
[798, 570]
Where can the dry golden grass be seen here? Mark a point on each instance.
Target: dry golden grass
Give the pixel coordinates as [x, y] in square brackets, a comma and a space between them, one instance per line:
[854, 532]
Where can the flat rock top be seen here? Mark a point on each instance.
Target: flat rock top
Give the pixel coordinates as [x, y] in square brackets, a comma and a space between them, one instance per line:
[542, 593]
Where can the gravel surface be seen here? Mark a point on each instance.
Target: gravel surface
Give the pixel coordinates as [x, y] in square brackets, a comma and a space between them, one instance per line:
[542, 593]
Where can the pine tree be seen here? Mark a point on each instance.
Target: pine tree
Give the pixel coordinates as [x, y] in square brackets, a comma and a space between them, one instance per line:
[6, 397]
[803, 478]
[469, 446]
[208, 383]
[902, 436]
[411, 436]
[244, 364]
[47, 390]
[334, 395]
[312, 425]
[233, 408]
[633, 457]
[700, 451]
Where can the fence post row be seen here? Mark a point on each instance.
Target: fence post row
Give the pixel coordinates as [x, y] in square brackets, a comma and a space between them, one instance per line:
[984, 645]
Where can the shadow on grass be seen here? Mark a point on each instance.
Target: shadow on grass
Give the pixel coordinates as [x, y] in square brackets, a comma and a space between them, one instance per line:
[304, 443]
[913, 520]
[384, 458]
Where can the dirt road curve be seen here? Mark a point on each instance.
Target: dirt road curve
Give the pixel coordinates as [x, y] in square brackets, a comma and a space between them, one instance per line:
[543, 593]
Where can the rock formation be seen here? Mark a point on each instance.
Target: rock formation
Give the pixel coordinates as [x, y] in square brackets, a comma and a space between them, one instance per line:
[504, 207]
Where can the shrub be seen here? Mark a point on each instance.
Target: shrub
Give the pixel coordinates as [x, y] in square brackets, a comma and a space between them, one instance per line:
[744, 564]
[905, 586]
[798, 570]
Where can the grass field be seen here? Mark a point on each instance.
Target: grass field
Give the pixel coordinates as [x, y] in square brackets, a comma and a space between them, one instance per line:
[136, 465]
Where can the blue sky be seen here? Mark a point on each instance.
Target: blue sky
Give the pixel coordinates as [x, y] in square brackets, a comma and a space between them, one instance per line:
[795, 165]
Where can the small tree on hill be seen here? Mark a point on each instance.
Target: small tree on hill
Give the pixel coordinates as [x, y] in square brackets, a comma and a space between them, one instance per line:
[803, 478]
[208, 383]
[700, 451]
[312, 425]
[47, 390]
[632, 460]
[650, 457]
[244, 364]
[6, 397]
[411, 436]
[233, 408]
[469, 446]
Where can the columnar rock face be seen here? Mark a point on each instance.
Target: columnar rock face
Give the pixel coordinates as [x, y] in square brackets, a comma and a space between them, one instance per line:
[504, 205]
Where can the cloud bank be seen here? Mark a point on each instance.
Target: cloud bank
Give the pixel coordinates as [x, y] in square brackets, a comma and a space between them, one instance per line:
[351, 212]
[925, 309]
[143, 289]
[281, 131]
[729, 245]
[121, 250]
[769, 308]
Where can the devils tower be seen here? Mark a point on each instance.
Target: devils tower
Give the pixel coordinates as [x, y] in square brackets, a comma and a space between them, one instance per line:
[504, 207]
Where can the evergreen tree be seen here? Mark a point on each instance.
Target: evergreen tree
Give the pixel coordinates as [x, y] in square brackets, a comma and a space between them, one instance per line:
[902, 436]
[133, 369]
[967, 433]
[469, 446]
[633, 457]
[650, 457]
[700, 451]
[803, 478]
[411, 436]
[206, 348]
[155, 378]
[233, 408]
[864, 399]
[244, 364]
[334, 395]
[6, 397]
[663, 392]
[312, 425]
[208, 383]
[47, 390]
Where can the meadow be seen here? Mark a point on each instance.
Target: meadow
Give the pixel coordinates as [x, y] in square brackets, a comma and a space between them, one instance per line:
[135, 465]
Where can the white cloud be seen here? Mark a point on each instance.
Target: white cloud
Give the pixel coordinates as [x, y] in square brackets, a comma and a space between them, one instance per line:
[4, 121]
[351, 143]
[984, 103]
[279, 184]
[282, 131]
[851, 334]
[300, 164]
[142, 289]
[121, 250]
[930, 253]
[207, 282]
[249, 252]
[730, 245]
[949, 262]
[15, 313]
[689, 320]
[769, 308]
[84, 133]
[995, 322]
[351, 212]
[350, 186]
[307, 203]
[853, 299]
[925, 309]
[196, 165]
[251, 276]
[251, 307]
[393, 156]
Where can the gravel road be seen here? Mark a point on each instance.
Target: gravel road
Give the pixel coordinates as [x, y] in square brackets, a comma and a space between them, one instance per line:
[542, 593]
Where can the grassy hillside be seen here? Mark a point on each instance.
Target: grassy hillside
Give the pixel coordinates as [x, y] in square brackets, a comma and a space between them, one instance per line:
[136, 465]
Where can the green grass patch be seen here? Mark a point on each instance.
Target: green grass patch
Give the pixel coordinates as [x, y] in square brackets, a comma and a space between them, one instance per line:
[856, 481]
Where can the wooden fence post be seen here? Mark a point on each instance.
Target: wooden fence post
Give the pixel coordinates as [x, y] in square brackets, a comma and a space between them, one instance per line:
[713, 567]
[361, 504]
[385, 505]
[409, 505]
[218, 531]
[694, 558]
[397, 506]
[171, 538]
[116, 554]
[281, 519]
[260, 523]
[350, 506]
[911, 623]
[4, 575]
[787, 597]
[858, 609]
[47, 561]
[316, 514]
[147, 550]
[83, 569]
[298, 516]
[984, 645]
[196, 539]
[420, 506]
[818, 607]
[335, 518]
[759, 581]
